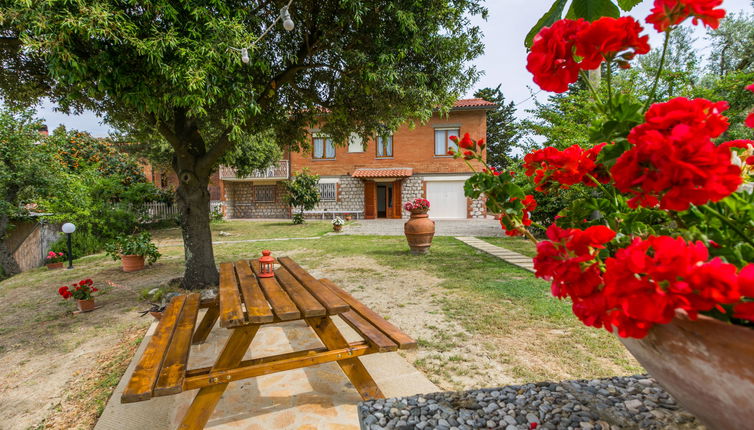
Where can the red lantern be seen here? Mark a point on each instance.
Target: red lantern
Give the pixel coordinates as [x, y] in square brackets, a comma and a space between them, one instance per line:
[266, 263]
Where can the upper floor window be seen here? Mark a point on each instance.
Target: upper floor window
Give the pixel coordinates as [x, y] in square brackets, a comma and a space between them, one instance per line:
[384, 146]
[443, 144]
[355, 143]
[324, 149]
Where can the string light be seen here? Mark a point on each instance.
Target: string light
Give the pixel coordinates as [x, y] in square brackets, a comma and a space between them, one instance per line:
[288, 25]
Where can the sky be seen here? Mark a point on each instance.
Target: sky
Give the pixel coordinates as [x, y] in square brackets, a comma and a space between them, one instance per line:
[503, 63]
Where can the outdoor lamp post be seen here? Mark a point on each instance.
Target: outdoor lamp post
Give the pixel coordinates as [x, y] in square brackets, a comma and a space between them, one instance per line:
[69, 228]
[265, 265]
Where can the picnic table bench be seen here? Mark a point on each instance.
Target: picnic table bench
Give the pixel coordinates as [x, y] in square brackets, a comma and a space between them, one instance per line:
[244, 304]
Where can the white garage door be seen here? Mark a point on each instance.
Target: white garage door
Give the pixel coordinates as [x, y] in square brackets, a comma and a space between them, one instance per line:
[446, 199]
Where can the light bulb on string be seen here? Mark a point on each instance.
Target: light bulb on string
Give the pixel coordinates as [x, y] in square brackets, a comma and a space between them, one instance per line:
[288, 24]
[245, 55]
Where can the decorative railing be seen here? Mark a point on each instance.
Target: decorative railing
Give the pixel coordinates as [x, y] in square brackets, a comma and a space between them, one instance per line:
[281, 170]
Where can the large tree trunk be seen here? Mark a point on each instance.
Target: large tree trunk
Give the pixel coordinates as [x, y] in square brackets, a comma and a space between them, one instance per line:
[193, 201]
[8, 263]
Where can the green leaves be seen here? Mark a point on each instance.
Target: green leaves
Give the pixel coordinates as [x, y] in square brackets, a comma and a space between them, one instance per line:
[498, 189]
[591, 10]
[588, 9]
[552, 15]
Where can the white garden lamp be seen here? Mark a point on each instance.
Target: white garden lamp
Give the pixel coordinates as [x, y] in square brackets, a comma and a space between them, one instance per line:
[69, 228]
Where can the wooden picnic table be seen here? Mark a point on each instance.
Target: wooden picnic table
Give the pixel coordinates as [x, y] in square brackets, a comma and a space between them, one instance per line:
[245, 303]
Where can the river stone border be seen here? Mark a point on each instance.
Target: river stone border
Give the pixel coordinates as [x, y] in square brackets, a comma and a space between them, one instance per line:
[630, 402]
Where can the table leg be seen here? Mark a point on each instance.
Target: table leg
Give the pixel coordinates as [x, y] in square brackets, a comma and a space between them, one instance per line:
[206, 399]
[354, 369]
[205, 326]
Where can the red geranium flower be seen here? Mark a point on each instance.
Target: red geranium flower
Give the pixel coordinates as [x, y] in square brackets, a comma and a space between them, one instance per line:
[466, 142]
[667, 13]
[568, 260]
[507, 223]
[674, 162]
[610, 38]
[551, 58]
[553, 168]
[750, 118]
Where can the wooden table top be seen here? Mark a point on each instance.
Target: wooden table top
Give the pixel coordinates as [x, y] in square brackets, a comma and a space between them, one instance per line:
[290, 295]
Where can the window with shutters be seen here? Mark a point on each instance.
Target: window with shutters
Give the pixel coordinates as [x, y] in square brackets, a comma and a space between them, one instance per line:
[264, 193]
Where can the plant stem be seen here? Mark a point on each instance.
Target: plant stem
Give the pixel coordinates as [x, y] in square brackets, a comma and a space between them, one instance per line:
[605, 190]
[609, 84]
[729, 223]
[592, 90]
[665, 44]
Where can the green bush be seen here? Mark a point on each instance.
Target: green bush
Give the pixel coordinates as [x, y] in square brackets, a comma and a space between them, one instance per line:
[83, 243]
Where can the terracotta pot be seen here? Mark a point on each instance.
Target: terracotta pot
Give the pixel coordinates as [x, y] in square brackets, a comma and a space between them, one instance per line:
[348, 218]
[53, 266]
[337, 227]
[156, 315]
[132, 263]
[707, 365]
[419, 230]
[85, 305]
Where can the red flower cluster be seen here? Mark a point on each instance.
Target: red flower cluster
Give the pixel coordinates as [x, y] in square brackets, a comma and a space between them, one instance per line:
[568, 259]
[81, 291]
[648, 280]
[673, 160]
[667, 13]
[552, 167]
[509, 225]
[65, 292]
[552, 60]
[745, 144]
[417, 205]
[469, 146]
[611, 38]
[750, 118]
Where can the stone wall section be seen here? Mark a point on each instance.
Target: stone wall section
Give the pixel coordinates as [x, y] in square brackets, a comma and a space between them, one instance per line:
[478, 207]
[241, 204]
[350, 197]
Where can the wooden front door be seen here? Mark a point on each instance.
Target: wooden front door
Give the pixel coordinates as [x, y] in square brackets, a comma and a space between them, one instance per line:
[370, 200]
[397, 210]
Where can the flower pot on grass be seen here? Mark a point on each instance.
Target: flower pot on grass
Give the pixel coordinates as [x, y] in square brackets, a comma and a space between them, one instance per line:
[132, 263]
[133, 251]
[54, 260]
[337, 228]
[419, 229]
[337, 224]
[54, 266]
[707, 365]
[85, 305]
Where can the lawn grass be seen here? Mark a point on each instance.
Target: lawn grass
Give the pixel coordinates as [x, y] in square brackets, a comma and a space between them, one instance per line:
[515, 244]
[492, 301]
[231, 230]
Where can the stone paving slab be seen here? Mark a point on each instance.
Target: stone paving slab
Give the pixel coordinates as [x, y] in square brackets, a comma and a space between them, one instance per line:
[506, 255]
[318, 397]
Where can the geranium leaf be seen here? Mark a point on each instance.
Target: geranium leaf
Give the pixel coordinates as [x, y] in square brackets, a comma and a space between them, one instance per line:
[627, 5]
[555, 13]
[592, 10]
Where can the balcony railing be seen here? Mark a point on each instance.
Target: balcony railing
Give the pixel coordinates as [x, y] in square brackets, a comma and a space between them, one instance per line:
[281, 170]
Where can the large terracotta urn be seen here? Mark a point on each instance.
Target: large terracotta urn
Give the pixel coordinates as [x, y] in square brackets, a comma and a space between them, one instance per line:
[419, 231]
[707, 365]
[132, 263]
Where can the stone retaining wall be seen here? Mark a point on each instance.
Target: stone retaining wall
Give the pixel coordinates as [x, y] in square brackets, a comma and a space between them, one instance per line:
[241, 203]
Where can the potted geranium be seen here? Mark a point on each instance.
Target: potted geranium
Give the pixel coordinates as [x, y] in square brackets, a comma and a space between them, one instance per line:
[133, 251]
[83, 293]
[661, 253]
[337, 224]
[54, 260]
[419, 229]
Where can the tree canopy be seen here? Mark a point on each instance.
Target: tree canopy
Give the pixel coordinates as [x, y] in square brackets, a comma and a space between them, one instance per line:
[167, 68]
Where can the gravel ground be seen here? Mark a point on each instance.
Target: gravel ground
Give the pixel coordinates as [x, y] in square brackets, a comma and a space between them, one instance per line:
[632, 402]
[444, 227]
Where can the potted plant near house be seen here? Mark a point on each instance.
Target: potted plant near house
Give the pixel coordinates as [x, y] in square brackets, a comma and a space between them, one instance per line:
[661, 251]
[419, 229]
[83, 292]
[337, 224]
[54, 260]
[133, 251]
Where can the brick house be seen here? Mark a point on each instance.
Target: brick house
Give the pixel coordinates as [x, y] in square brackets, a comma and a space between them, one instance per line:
[372, 178]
